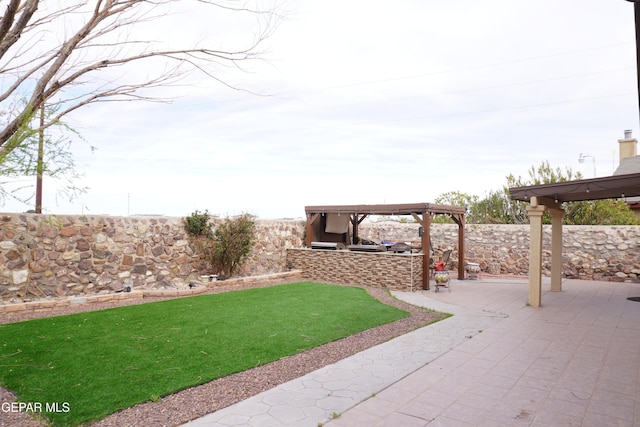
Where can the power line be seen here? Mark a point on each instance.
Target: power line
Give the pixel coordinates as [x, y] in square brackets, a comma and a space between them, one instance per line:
[456, 70]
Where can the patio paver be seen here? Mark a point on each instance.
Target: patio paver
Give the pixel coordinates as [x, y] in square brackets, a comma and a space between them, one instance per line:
[496, 362]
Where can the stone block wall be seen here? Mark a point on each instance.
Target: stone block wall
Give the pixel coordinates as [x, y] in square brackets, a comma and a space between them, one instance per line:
[64, 255]
[273, 238]
[610, 253]
[42, 255]
[49, 255]
[601, 253]
[379, 269]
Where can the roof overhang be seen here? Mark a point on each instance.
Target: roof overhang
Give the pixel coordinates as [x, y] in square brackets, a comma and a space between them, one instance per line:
[607, 187]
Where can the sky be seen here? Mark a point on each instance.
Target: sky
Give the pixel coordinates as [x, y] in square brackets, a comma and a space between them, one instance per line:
[367, 102]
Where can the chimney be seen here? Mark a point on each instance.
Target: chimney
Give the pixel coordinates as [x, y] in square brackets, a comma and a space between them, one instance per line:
[628, 145]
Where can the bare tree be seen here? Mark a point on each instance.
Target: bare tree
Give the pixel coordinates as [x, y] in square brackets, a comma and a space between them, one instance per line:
[59, 51]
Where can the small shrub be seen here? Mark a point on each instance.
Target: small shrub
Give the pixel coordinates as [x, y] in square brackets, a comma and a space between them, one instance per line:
[197, 224]
[232, 242]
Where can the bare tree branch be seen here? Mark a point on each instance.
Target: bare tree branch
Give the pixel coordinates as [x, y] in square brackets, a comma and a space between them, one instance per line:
[55, 53]
[11, 29]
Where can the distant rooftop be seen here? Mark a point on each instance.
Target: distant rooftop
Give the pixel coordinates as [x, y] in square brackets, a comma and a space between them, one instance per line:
[628, 165]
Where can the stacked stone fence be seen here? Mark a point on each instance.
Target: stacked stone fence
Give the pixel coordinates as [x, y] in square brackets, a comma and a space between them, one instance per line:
[48, 255]
[63, 255]
[609, 253]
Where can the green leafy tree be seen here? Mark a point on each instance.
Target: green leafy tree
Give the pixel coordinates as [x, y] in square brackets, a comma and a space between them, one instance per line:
[455, 198]
[605, 212]
[544, 174]
[497, 207]
[42, 153]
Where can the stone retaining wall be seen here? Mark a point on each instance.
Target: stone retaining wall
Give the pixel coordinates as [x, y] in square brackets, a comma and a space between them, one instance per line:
[49, 255]
[63, 255]
[609, 253]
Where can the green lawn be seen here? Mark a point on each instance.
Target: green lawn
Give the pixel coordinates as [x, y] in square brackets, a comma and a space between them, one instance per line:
[93, 364]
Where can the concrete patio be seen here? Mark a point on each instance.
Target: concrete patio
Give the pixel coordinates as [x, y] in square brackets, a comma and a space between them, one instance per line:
[575, 361]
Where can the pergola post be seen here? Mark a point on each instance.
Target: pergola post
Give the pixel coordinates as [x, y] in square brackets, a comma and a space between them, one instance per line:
[535, 253]
[354, 227]
[426, 249]
[459, 219]
[356, 219]
[311, 218]
[556, 249]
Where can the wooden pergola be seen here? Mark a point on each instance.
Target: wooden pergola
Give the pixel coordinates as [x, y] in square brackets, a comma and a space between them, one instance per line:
[423, 213]
[550, 197]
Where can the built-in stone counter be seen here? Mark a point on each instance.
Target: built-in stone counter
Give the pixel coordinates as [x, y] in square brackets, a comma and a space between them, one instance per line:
[401, 271]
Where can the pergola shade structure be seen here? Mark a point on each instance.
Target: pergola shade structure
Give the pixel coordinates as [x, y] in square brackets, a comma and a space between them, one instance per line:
[423, 213]
[550, 197]
[606, 187]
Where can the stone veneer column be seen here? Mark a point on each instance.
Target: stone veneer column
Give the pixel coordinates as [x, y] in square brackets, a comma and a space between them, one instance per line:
[535, 255]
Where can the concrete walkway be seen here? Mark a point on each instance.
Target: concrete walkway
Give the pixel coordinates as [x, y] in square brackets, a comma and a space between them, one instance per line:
[496, 362]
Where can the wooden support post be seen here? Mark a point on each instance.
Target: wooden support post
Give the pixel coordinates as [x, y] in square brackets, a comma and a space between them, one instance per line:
[426, 248]
[461, 248]
[356, 219]
[354, 226]
[311, 218]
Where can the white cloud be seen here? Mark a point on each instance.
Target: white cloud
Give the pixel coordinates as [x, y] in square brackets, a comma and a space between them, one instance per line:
[374, 102]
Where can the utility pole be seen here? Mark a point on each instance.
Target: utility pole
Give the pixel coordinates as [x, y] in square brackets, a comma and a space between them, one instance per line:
[636, 10]
[40, 165]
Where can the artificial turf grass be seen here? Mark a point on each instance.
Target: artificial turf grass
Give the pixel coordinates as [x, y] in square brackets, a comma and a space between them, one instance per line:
[104, 361]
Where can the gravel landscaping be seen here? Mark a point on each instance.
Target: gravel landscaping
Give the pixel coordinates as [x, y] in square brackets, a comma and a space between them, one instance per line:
[195, 402]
